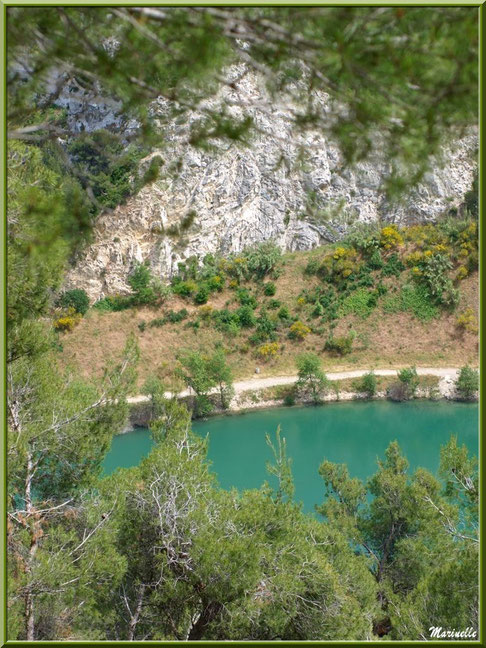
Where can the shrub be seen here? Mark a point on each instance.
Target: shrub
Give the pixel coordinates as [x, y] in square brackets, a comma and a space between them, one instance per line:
[390, 238]
[184, 288]
[409, 377]
[284, 313]
[269, 289]
[299, 331]
[142, 326]
[312, 266]
[375, 262]
[215, 283]
[65, 323]
[202, 295]
[467, 321]
[245, 298]
[340, 345]
[176, 316]
[268, 350]
[261, 259]
[246, 316]
[265, 328]
[206, 312]
[361, 302]
[76, 298]
[414, 298]
[467, 383]
[113, 303]
[393, 267]
[273, 304]
[366, 384]
[140, 282]
[462, 273]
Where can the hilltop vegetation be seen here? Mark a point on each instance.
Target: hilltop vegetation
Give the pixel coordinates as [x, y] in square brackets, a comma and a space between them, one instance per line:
[382, 297]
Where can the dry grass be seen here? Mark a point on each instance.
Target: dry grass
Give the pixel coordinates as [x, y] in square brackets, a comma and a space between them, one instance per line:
[383, 340]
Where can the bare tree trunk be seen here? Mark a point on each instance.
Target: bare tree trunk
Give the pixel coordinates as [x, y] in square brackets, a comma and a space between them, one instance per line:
[136, 616]
[34, 531]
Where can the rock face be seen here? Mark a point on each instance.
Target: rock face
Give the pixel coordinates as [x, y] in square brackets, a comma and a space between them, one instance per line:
[286, 186]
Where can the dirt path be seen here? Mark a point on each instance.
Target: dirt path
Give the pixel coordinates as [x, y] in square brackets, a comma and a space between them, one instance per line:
[256, 383]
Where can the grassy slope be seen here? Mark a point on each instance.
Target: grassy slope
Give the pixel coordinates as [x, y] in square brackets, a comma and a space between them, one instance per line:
[383, 339]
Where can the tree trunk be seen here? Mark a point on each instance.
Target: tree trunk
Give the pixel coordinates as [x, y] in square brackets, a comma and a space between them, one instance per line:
[136, 616]
[34, 529]
[210, 611]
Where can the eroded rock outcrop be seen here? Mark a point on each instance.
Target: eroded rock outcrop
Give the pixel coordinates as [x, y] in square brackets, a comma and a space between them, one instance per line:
[286, 185]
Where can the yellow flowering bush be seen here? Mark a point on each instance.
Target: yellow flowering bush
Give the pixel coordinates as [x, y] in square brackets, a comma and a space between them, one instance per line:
[413, 258]
[467, 321]
[205, 311]
[462, 273]
[268, 350]
[390, 238]
[68, 320]
[299, 331]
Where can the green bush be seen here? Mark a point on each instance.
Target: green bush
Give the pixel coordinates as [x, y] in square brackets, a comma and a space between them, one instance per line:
[467, 383]
[414, 298]
[113, 303]
[340, 345]
[245, 298]
[184, 288]
[284, 314]
[202, 295]
[246, 316]
[361, 302]
[366, 384]
[261, 259]
[393, 267]
[269, 289]
[409, 377]
[76, 298]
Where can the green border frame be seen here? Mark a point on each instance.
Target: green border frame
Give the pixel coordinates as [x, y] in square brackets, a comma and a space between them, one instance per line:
[4, 4]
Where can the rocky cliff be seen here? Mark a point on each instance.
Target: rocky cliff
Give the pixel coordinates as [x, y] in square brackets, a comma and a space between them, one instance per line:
[286, 185]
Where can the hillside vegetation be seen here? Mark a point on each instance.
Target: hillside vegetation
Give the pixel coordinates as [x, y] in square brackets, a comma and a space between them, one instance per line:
[382, 297]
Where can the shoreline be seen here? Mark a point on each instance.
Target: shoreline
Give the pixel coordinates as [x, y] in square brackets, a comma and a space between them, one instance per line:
[249, 394]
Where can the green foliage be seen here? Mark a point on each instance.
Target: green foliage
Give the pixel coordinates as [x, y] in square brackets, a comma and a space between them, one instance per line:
[76, 298]
[312, 381]
[261, 259]
[246, 316]
[146, 290]
[414, 298]
[408, 376]
[113, 303]
[106, 165]
[367, 384]
[269, 289]
[401, 528]
[341, 345]
[184, 288]
[360, 302]
[467, 383]
[202, 295]
[393, 266]
[245, 298]
[433, 274]
[204, 373]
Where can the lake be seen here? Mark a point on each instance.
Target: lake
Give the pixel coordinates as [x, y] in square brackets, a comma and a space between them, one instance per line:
[355, 433]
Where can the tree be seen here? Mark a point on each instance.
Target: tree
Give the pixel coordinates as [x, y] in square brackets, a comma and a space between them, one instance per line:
[406, 528]
[312, 381]
[77, 299]
[195, 372]
[59, 429]
[467, 383]
[222, 376]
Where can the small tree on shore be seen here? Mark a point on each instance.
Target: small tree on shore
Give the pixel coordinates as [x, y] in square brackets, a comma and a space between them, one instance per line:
[467, 383]
[222, 375]
[312, 380]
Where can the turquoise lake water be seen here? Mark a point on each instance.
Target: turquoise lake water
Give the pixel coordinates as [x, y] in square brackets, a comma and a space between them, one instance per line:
[354, 433]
